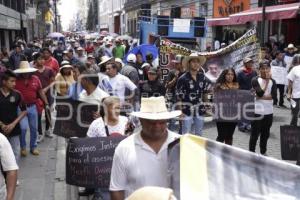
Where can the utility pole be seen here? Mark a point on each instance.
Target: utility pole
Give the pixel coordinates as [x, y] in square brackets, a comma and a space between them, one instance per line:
[55, 15]
[21, 18]
[263, 23]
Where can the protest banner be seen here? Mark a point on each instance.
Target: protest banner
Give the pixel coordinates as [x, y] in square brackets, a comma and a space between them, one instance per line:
[73, 118]
[89, 161]
[233, 105]
[230, 56]
[290, 142]
[279, 74]
[220, 171]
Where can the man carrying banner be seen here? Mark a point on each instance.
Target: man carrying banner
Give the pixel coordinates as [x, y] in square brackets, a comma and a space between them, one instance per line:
[141, 159]
[265, 89]
[244, 77]
[191, 89]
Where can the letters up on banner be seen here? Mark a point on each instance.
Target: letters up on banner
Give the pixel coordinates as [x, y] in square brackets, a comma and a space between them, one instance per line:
[73, 118]
[89, 161]
[290, 142]
[233, 105]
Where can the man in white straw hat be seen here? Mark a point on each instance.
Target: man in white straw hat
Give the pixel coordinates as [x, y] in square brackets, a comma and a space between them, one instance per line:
[141, 159]
[290, 51]
[191, 90]
[31, 89]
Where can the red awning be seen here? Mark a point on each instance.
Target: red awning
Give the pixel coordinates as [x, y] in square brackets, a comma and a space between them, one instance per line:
[285, 11]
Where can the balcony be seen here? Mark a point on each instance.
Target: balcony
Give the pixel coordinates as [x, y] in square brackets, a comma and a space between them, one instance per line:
[135, 4]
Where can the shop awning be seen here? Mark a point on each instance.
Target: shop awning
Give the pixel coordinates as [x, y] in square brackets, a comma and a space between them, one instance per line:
[285, 11]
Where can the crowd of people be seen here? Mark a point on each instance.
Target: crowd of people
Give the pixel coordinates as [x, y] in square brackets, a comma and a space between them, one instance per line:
[104, 72]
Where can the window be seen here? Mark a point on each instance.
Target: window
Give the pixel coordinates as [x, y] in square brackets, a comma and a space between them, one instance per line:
[7, 3]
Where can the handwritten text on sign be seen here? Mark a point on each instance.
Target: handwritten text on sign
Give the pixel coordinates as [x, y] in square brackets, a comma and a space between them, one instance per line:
[89, 161]
[290, 142]
[233, 105]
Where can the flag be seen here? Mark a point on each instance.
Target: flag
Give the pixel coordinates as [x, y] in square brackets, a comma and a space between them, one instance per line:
[203, 169]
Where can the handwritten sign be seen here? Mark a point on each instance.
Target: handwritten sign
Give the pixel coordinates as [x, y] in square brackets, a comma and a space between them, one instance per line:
[279, 74]
[89, 161]
[73, 118]
[290, 142]
[233, 105]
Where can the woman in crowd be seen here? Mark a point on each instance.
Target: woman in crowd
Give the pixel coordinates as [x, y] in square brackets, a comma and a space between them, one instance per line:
[110, 123]
[64, 79]
[226, 81]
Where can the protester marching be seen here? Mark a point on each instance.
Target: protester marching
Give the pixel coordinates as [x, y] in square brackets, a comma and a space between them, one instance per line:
[133, 116]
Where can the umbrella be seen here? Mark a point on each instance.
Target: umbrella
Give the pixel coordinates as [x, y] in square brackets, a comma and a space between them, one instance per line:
[55, 35]
[144, 49]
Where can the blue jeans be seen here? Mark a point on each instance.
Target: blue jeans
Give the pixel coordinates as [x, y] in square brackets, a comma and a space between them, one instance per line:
[188, 121]
[31, 120]
[15, 145]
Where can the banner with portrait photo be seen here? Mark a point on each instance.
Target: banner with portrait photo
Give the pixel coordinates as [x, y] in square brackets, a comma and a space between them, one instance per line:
[229, 57]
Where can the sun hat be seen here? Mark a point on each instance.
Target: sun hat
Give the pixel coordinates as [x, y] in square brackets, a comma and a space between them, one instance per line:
[118, 60]
[131, 58]
[187, 59]
[154, 108]
[65, 66]
[105, 59]
[152, 70]
[291, 46]
[152, 193]
[24, 67]
[247, 59]
[178, 59]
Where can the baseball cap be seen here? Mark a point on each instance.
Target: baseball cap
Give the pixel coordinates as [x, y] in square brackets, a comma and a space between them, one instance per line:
[247, 59]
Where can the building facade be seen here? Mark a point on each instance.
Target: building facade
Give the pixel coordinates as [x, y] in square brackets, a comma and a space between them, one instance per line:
[112, 16]
[13, 21]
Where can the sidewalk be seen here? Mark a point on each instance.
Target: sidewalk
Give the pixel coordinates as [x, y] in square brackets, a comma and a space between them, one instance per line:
[36, 174]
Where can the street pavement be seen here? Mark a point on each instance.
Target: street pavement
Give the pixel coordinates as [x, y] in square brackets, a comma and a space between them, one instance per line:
[42, 177]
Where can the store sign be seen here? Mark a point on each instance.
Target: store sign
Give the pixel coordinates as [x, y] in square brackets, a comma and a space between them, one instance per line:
[224, 8]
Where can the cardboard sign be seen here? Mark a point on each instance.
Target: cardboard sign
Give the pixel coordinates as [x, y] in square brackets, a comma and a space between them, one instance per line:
[73, 118]
[290, 142]
[233, 105]
[89, 161]
[279, 74]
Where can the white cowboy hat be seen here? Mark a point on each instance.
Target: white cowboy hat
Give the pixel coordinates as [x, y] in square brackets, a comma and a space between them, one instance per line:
[119, 60]
[24, 67]
[290, 46]
[187, 59]
[104, 59]
[152, 193]
[65, 66]
[154, 108]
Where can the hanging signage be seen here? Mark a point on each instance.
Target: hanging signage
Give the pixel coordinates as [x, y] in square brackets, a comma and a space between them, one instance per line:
[224, 8]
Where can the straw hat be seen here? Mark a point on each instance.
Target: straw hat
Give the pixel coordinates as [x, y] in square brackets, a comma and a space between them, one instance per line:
[152, 193]
[291, 46]
[154, 108]
[65, 66]
[24, 67]
[118, 60]
[104, 59]
[187, 59]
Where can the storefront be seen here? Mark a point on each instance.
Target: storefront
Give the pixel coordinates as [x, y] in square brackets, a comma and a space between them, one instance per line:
[282, 22]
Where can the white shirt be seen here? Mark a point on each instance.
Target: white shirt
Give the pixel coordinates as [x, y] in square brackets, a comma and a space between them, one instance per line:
[8, 162]
[264, 107]
[119, 83]
[294, 76]
[136, 165]
[94, 98]
[97, 128]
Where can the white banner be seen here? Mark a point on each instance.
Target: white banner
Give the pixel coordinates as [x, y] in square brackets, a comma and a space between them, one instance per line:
[279, 74]
[181, 25]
